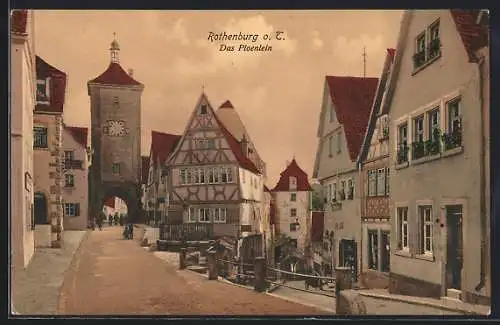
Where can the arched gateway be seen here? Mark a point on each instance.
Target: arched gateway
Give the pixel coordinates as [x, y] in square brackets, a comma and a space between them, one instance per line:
[115, 100]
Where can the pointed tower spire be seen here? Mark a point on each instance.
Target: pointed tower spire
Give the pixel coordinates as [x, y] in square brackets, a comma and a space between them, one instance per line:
[114, 50]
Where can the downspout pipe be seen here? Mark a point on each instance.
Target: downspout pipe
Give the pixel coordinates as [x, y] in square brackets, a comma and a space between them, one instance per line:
[482, 181]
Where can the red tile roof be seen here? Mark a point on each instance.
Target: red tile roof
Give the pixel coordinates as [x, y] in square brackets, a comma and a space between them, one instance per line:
[352, 98]
[115, 75]
[227, 104]
[473, 35]
[292, 170]
[317, 226]
[110, 202]
[79, 134]
[19, 19]
[162, 145]
[57, 86]
[144, 169]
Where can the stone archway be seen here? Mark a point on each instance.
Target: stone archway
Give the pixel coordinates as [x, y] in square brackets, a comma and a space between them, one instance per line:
[126, 192]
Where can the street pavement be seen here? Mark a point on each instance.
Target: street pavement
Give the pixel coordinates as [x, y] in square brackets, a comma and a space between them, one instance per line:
[113, 276]
[374, 306]
[36, 289]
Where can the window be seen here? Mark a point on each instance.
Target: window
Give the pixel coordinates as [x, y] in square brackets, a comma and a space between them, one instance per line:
[116, 168]
[293, 226]
[201, 171]
[293, 212]
[217, 175]
[293, 197]
[402, 219]
[43, 91]
[334, 191]
[373, 249]
[204, 215]
[330, 146]
[203, 109]
[229, 173]
[293, 183]
[434, 43]
[69, 155]
[350, 189]
[211, 176]
[191, 215]
[339, 141]
[453, 137]
[434, 124]
[387, 174]
[402, 155]
[182, 176]
[189, 176]
[342, 190]
[72, 209]
[211, 143]
[40, 137]
[385, 251]
[418, 125]
[116, 102]
[69, 180]
[223, 175]
[200, 143]
[420, 43]
[220, 215]
[372, 183]
[332, 113]
[419, 56]
[425, 215]
[381, 182]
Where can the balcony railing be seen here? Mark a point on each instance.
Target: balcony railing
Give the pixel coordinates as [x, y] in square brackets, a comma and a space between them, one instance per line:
[187, 232]
[73, 164]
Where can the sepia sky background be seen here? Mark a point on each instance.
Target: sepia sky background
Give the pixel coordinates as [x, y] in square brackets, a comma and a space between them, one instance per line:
[277, 94]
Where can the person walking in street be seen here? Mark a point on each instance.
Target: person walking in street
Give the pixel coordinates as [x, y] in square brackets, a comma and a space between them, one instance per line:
[110, 220]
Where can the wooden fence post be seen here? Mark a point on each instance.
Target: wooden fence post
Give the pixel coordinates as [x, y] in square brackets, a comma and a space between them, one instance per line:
[260, 274]
[212, 266]
[182, 259]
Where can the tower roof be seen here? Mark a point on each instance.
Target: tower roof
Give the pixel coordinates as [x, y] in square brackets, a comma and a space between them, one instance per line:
[115, 75]
[292, 170]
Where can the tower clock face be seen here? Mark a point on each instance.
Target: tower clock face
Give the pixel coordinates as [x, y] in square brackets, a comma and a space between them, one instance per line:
[116, 128]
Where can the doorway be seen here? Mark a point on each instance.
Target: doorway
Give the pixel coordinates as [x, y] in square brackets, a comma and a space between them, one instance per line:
[348, 256]
[454, 247]
[40, 207]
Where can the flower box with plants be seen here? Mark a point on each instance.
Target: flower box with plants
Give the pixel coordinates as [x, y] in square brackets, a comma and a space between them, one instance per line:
[402, 154]
[418, 59]
[453, 139]
[434, 48]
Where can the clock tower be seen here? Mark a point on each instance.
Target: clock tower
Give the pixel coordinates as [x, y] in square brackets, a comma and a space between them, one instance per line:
[115, 101]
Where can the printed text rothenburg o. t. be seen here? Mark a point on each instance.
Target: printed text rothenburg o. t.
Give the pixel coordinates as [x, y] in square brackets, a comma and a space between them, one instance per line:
[246, 40]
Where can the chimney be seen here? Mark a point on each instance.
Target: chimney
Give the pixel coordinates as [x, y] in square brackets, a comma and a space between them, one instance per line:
[131, 72]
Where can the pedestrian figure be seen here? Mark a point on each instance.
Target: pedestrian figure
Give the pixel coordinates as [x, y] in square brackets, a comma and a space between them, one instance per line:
[115, 219]
[110, 220]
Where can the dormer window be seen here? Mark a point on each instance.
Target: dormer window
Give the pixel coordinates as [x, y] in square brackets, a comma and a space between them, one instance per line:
[293, 183]
[203, 109]
[43, 91]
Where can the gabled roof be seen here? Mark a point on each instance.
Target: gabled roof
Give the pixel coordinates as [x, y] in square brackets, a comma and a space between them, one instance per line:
[19, 20]
[473, 35]
[162, 145]
[230, 119]
[352, 98]
[144, 169]
[57, 86]
[115, 75]
[292, 170]
[317, 227]
[234, 144]
[377, 103]
[79, 134]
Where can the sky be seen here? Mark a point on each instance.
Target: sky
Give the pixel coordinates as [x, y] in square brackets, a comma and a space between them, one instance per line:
[277, 93]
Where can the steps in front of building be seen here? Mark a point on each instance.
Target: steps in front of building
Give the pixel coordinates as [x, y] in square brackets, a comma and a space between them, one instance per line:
[454, 294]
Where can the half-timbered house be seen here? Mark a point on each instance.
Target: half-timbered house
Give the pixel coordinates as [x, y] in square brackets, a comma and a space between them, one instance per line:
[162, 145]
[374, 161]
[213, 185]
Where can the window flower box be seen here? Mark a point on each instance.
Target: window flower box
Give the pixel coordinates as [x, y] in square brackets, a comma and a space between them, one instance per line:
[418, 59]
[402, 154]
[434, 48]
[452, 139]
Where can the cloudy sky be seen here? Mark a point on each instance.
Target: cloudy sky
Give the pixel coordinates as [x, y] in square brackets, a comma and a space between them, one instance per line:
[277, 94]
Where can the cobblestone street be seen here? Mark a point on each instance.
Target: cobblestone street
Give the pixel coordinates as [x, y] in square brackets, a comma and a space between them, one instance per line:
[115, 276]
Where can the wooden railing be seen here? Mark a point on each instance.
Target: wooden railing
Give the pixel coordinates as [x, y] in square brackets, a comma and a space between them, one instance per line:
[187, 232]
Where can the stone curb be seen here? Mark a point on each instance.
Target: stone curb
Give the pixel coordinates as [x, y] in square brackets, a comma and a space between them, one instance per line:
[420, 302]
[71, 263]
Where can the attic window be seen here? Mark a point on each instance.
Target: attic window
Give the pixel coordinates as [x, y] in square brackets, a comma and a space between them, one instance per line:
[293, 183]
[116, 102]
[203, 109]
[43, 91]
